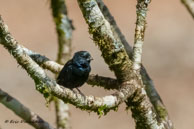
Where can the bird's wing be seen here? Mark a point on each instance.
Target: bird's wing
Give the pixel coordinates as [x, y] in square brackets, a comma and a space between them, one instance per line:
[65, 74]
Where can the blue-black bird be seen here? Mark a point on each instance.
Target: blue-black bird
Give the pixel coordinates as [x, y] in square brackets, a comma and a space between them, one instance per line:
[76, 71]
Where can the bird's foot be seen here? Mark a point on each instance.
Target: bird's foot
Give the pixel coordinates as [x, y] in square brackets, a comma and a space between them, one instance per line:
[80, 92]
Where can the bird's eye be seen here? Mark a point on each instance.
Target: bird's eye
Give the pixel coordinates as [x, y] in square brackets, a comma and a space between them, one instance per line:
[85, 56]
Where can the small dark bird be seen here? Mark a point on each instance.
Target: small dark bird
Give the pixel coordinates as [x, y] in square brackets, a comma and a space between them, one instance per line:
[76, 71]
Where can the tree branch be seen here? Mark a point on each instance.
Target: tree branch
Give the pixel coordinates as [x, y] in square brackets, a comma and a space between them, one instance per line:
[106, 83]
[64, 32]
[43, 61]
[189, 4]
[46, 86]
[162, 113]
[115, 29]
[137, 54]
[112, 49]
[141, 10]
[95, 80]
[62, 114]
[116, 57]
[23, 112]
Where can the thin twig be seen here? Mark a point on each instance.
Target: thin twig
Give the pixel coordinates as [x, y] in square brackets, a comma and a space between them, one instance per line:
[141, 10]
[20, 110]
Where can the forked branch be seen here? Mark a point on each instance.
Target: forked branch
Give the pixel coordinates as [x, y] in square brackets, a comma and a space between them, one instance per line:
[48, 86]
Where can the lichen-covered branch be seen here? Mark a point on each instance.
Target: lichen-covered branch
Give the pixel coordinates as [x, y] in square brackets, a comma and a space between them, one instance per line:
[141, 10]
[189, 4]
[112, 49]
[110, 83]
[62, 114]
[162, 113]
[115, 55]
[19, 109]
[95, 80]
[64, 32]
[115, 29]
[47, 87]
[143, 113]
[64, 29]
[43, 61]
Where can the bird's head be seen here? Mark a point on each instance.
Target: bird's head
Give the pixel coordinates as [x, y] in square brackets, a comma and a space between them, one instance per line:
[82, 55]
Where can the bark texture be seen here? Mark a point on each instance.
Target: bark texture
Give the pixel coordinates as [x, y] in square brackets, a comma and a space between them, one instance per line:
[23, 112]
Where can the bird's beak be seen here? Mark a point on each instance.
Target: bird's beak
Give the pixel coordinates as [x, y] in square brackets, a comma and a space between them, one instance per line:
[90, 59]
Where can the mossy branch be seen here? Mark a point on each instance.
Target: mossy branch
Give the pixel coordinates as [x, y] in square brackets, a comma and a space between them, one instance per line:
[94, 80]
[116, 57]
[147, 81]
[114, 27]
[64, 30]
[141, 11]
[110, 83]
[47, 86]
[23, 112]
[112, 49]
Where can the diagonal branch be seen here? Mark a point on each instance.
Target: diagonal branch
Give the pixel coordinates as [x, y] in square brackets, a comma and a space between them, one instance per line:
[43, 61]
[116, 57]
[141, 10]
[149, 85]
[112, 49]
[189, 4]
[19, 109]
[115, 29]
